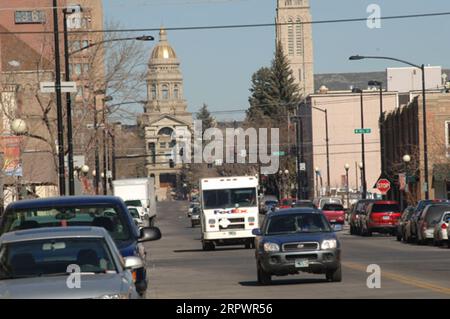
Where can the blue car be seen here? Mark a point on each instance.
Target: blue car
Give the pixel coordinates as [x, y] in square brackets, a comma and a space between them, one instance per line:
[297, 240]
[108, 212]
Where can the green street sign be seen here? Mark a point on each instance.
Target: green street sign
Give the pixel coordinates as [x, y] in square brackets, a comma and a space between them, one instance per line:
[363, 131]
[281, 153]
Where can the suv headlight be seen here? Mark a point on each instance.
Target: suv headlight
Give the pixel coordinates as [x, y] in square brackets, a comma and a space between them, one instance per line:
[329, 244]
[271, 247]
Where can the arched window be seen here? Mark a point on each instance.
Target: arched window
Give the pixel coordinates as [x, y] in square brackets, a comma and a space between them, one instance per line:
[299, 36]
[154, 92]
[165, 92]
[176, 92]
[166, 131]
[290, 37]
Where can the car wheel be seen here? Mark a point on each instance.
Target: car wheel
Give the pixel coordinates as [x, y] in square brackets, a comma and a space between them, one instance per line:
[352, 230]
[192, 224]
[399, 236]
[264, 278]
[335, 275]
[208, 246]
[248, 245]
[448, 243]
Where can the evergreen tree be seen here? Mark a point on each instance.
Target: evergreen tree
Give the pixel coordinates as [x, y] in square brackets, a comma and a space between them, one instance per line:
[205, 116]
[260, 99]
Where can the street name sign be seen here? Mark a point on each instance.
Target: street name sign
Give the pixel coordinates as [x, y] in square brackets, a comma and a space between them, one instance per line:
[281, 153]
[66, 87]
[363, 131]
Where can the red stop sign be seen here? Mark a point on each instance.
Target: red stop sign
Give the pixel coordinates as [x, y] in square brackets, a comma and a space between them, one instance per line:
[383, 185]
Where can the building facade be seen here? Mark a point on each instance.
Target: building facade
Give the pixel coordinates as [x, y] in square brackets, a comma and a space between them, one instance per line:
[166, 119]
[404, 129]
[294, 32]
[344, 116]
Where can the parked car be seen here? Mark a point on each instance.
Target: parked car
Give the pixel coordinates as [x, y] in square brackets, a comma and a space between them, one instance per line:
[136, 216]
[297, 240]
[428, 219]
[319, 202]
[403, 221]
[358, 210]
[108, 212]
[411, 232]
[268, 206]
[286, 203]
[195, 217]
[303, 203]
[334, 213]
[380, 216]
[37, 264]
[191, 207]
[441, 229]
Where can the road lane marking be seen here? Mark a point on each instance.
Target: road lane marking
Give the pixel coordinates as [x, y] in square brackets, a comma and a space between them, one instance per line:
[402, 279]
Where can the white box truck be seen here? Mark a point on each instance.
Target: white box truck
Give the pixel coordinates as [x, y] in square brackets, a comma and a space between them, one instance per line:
[139, 193]
[229, 211]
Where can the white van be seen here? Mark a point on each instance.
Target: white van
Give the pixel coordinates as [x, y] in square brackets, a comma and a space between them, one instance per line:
[229, 211]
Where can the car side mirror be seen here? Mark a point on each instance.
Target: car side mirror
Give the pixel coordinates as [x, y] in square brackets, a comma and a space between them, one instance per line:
[256, 232]
[133, 262]
[150, 234]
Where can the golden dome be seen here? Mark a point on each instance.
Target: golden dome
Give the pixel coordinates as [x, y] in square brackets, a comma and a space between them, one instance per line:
[163, 50]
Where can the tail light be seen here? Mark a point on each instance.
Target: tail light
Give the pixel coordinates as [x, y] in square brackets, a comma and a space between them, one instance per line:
[444, 226]
[134, 275]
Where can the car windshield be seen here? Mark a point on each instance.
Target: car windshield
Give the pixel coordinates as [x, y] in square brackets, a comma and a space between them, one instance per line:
[134, 212]
[136, 203]
[52, 257]
[297, 223]
[382, 208]
[228, 198]
[303, 204]
[446, 218]
[435, 213]
[107, 217]
[333, 207]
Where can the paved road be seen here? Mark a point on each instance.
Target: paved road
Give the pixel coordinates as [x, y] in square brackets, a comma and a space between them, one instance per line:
[180, 269]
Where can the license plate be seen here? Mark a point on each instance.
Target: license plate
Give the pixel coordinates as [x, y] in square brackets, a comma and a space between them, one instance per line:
[232, 233]
[301, 263]
[386, 217]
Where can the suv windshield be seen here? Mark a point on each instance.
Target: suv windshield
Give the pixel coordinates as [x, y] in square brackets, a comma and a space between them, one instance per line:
[333, 207]
[51, 257]
[134, 212]
[297, 223]
[136, 203]
[107, 217]
[229, 198]
[435, 213]
[383, 208]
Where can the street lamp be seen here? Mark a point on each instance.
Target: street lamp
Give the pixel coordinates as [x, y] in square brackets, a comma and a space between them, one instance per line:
[19, 126]
[347, 167]
[104, 180]
[85, 169]
[325, 111]
[361, 167]
[424, 121]
[406, 159]
[363, 146]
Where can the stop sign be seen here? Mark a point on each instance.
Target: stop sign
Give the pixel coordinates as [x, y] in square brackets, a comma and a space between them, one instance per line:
[383, 185]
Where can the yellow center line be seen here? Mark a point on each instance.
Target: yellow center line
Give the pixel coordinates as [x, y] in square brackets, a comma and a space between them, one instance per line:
[412, 281]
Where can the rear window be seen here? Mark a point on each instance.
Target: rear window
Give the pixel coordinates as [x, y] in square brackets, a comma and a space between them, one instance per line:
[136, 203]
[383, 208]
[434, 213]
[271, 202]
[333, 207]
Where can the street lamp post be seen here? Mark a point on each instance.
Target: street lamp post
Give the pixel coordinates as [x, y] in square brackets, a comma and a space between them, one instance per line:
[317, 171]
[424, 122]
[347, 167]
[325, 111]
[361, 167]
[363, 146]
[406, 159]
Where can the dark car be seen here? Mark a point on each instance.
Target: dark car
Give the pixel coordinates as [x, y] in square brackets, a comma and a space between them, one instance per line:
[268, 206]
[297, 240]
[403, 222]
[195, 216]
[358, 210]
[108, 212]
[381, 216]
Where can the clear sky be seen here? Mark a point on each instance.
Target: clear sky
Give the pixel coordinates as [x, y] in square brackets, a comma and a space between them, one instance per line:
[218, 64]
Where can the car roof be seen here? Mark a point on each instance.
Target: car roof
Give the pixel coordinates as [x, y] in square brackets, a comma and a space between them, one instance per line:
[293, 211]
[385, 202]
[54, 233]
[64, 201]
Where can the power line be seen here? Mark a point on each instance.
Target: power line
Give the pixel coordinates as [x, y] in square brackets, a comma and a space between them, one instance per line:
[238, 26]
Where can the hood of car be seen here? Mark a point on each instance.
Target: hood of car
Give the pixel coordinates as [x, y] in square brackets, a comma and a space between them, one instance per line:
[299, 237]
[91, 286]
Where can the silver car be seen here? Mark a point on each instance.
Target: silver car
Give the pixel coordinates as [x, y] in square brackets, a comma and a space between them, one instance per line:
[429, 218]
[441, 229]
[64, 263]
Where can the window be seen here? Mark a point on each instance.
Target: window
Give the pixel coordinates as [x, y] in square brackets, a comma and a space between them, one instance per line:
[85, 68]
[290, 38]
[176, 92]
[154, 92]
[165, 92]
[84, 43]
[229, 198]
[166, 131]
[152, 150]
[77, 69]
[162, 145]
[29, 17]
[299, 36]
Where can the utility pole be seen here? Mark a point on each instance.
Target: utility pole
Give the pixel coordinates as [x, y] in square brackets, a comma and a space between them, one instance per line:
[105, 185]
[61, 172]
[299, 154]
[97, 160]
